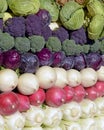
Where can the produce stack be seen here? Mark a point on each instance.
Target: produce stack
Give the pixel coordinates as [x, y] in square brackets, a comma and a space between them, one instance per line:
[51, 65]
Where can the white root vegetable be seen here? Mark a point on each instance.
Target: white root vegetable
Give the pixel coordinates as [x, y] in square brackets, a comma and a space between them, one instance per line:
[15, 121]
[100, 122]
[53, 116]
[53, 128]
[88, 108]
[46, 76]
[34, 116]
[89, 77]
[8, 80]
[70, 125]
[74, 77]
[71, 111]
[28, 83]
[100, 73]
[61, 80]
[33, 128]
[2, 123]
[100, 106]
[88, 124]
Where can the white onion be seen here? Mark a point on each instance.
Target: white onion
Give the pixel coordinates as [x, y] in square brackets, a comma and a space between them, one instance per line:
[61, 77]
[46, 76]
[100, 73]
[74, 77]
[89, 77]
[8, 80]
[28, 83]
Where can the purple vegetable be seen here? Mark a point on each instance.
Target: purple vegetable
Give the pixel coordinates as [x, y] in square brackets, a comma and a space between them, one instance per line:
[68, 62]
[45, 57]
[44, 16]
[79, 62]
[58, 57]
[46, 32]
[33, 25]
[29, 63]
[93, 60]
[11, 59]
[1, 24]
[61, 33]
[1, 57]
[79, 36]
[15, 26]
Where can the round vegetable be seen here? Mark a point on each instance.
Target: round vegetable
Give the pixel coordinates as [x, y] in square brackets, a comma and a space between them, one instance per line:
[89, 77]
[69, 93]
[27, 83]
[100, 73]
[46, 76]
[74, 77]
[24, 7]
[24, 103]
[38, 97]
[91, 93]
[79, 93]
[9, 103]
[61, 80]
[8, 80]
[55, 96]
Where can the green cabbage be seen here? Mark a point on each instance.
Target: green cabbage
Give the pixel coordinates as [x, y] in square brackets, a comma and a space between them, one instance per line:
[24, 7]
[96, 27]
[3, 6]
[72, 15]
[95, 7]
[52, 7]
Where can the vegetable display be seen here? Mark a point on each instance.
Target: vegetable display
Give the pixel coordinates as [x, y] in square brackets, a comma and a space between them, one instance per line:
[52, 65]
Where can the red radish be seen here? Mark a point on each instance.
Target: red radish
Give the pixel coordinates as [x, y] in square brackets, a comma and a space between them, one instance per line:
[79, 93]
[91, 93]
[100, 87]
[9, 103]
[38, 97]
[24, 103]
[55, 96]
[69, 93]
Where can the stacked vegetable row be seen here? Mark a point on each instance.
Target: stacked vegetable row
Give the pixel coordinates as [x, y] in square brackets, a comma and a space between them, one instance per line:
[52, 78]
[76, 96]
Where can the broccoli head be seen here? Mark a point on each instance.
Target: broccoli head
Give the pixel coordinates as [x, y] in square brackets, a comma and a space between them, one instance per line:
[6, 41]
[36, 43]
[15, 26]
[95, 46]
[33, 25]
[54, 44]
[61, 33]
[69, 47]
[22, 44]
